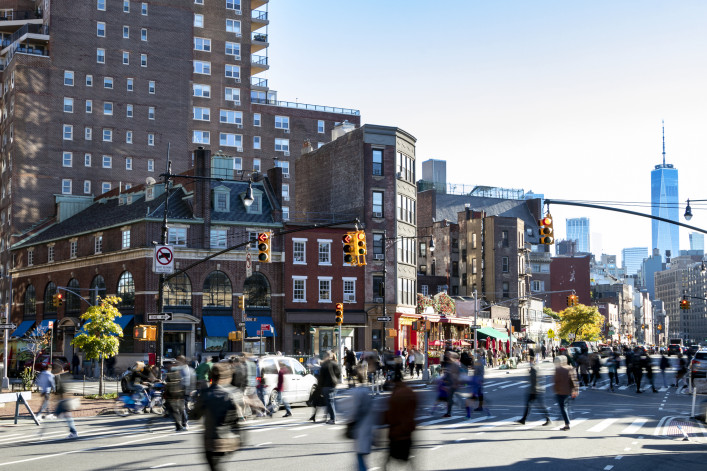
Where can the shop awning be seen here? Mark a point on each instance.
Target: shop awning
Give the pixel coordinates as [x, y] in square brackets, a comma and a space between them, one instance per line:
[22, 329]
[122, 321]
[491, 332]
[43, 326]
[252, 327]
[219, 326]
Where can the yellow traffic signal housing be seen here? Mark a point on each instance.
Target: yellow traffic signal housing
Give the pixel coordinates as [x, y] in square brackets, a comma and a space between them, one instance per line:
[339, 313]
[55, 300]
[241, 302]
[264, 242]
[684, 304]
[546, 230]
[60, 299]
[236, 336]
[361, 249]
[660, 326]
[569, 301]
[350, 251]
[151, 332]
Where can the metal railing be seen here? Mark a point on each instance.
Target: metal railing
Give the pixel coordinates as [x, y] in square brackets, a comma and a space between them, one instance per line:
[16, 15]
[259, 15]
[28, 29]
[259, 60]
[21, 49]
[304, 106]
[263, 38]
[259, 82]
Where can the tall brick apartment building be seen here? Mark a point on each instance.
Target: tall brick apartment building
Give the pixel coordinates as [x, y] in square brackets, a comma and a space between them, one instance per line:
[95, 93]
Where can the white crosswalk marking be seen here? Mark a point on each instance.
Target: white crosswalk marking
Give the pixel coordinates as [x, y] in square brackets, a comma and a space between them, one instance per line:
[602, 425]
[443, 419]
[573, 423]
[635, 426]
[512, 384]
[495, 385]
[469, 421]
[487, 427]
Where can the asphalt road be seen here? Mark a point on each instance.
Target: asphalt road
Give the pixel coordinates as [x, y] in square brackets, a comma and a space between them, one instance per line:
[618, 431]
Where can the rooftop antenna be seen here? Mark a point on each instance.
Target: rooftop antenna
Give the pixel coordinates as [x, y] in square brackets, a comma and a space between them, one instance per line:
[663, 121]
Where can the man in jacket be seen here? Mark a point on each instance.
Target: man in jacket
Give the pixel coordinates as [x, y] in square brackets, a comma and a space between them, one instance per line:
[219, 406]
[280, 389]
[202, 373]
[400, 417]
[45, 383]
[536, 392]
[329, 377]
[566, 386]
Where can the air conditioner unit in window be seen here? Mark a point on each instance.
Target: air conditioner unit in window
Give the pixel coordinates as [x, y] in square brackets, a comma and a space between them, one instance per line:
[285, 175]
[237, 102]
[378, 300]
[239, 149]
[238, 34]
[377, 215]
[287, 131]
[238, 80]
[239, 172]
[238, 12]
[286, 198]
[239, 126]
[237, 58]
[286, 153]
[379, 256]
[349, 298]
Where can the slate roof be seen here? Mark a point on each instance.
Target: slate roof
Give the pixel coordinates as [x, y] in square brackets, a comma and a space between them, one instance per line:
[237, 211]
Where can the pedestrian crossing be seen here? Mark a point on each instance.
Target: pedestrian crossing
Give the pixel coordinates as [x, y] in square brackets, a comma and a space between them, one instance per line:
[494, 385]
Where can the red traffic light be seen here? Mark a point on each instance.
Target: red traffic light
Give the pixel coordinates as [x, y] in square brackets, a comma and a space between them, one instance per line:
[347, 239]
[263, 237]
[59, 296]
[339, 306]
[360, 235]
[546, 221]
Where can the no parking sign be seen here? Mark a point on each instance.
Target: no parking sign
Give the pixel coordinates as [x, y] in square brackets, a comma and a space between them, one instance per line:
[163, 261]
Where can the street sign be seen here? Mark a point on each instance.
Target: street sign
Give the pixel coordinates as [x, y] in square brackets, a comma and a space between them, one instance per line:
[265, 327]
[241, 324]
[50, 324]
[163, 261]
[248, 265]
[385, 319]
[165, 316]
[7, 326]
[249, 319]
[475, 326]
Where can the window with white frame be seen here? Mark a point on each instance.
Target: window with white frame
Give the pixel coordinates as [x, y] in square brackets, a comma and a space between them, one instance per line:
[256, 142]
[256, 119]
[87, 160]
[143, 60]
[537, 286]
[100, 29]
[233, 49]
[150, 139]
[201, 90]
[126, 31]
[324, 289]
[143, 10]
[282, 122]
[151, 87]
[150, 165]
[128, 163]
[101, 5]
[233, 4]
[125, 238]
[202, 67]
[285, 213]
[230, 140]
[73, 248]
[233, 71]
[87, 187]
[282, 145]
[425, 290]
[349, 290]
[218, 238]
[324, 252]
[233, 94]
[201, 137]
[108, 83]
[202, 44]
[143, 34]
[201, 113]
[89, 80]
[237, 163]
[233, 26]
[320, 126]
[69, 78]
[299, 289]
[108, 108]
[377, 205]
[126, 58]
[285, 192]
[129, 111]
[151, 112]
[198, 20]
[88, 133]
[130, 84]
[128, 137]
[67, 159]
[100, 55]
[68, 105]
[126, 6]
[66, 186]
[285, 166]
[221, 201]
[299, 247]
[98, 243]
[256, 164]
[107, 161]
[89, 106]
[50, 253]
[231, 117]
[107, 135]
[68, 132]
[177, 236]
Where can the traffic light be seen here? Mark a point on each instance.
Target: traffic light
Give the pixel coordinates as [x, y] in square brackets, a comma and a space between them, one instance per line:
[575, 299]
[59, 299]
[361, 247]
[684, 304]
[339, 313]
[569, 301]
[236, 336]
[643, 326]
[241, 302]
[140, 332]
[546, 231]
[264, 247]
[55, 300]
[350, 257]
[660, 326]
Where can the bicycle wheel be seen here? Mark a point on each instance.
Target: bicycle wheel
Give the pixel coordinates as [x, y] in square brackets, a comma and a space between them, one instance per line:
[157, 406]
[121, 410]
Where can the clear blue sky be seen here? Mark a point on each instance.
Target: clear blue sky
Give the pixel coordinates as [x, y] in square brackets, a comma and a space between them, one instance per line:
[558, 97]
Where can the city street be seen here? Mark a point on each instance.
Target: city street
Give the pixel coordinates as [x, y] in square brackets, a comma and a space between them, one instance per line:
[618, 431]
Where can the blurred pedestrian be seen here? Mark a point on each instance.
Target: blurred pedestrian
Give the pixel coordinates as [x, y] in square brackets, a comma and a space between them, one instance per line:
[75, 364]
[372, 368]
[566, 387]
[411, 361]
[637, 367]
[536, 392]
[219, 405]
[203, 372]
[664, 365]
[583, 361]
[400, 418]
[451, 379]
[45, 384]
[360, 427]
[681, 375]
[419, 362]
[543, 350]
[329, 377]
[595, 365]
[612, 365]
[66, 403]
[280, 389]
[350, 364]
[175, 393]
[477, 384]
[647, 364]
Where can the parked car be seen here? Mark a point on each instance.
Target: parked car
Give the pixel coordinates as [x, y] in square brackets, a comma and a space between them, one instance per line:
[606, 352]
[692, 349]
[298, 386]
[583, 346]
[698, 367]
[42, 362]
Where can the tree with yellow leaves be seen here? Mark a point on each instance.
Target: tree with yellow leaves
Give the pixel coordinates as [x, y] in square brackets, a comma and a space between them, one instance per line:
[585, 322]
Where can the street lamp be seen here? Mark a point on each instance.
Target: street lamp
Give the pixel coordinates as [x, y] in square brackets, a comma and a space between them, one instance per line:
[248, 200]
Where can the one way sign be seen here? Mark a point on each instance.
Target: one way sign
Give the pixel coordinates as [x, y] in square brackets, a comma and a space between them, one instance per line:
[165, 316]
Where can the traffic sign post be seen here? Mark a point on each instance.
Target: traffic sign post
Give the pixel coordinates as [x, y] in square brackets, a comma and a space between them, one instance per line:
[8, 326]
[164, 316]
[163, 261]
[475, 326]
[248, 265]
[385, 319]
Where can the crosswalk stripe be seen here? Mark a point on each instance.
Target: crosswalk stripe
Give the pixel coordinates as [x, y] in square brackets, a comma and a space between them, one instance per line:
[443, 419]
[635, 426]
[495, 385]
[602, 425]
[306, 427]
[511, 385]
[484, 428]
[573, 423]
[469, 421]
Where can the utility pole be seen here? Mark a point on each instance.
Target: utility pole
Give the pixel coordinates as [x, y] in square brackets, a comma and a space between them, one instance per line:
[160, 290]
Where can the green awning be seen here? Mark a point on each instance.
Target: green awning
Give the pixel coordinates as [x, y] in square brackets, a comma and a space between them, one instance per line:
[491, 332]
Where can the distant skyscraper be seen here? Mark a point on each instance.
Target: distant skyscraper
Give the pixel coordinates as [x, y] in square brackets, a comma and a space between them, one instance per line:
[578, 229]
[665, 204]
[697, 241]
[435, 171]
[632, 259]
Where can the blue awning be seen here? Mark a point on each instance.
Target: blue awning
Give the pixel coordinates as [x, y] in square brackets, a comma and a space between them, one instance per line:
[45, 325]
[219, 326]
[252, 327]
[122, 321]
[22, 329]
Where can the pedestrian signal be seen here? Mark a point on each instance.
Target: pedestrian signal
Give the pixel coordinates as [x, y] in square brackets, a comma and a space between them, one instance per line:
[339, 313]
[545, 230]
[264, 247]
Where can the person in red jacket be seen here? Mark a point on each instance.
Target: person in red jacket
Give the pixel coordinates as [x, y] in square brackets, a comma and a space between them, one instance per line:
[280, 389]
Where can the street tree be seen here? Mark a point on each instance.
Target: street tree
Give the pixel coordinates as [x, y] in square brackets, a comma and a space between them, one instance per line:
[35, 343]
[585, 322]
[100, 334]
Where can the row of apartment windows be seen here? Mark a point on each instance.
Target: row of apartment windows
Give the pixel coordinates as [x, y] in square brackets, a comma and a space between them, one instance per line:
[67, 160]
[101, 57]
[324, 290]
[230, 49]
[108, 82]
[101, 31]
[101, 6]
[108, 108]
[236, 140]
[230, 70]
[232, 26]
[107, 135]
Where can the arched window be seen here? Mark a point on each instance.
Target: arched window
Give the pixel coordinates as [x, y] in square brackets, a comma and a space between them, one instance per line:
[257, 291]
[177, 291]
[49, 292]
[30, 301]
[126, 291]
[98, 289]
[217, 290]
[73, 302]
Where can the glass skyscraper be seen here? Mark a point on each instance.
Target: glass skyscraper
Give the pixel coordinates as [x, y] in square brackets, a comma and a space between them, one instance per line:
[664, 203]
[578, 229]
[632, 259]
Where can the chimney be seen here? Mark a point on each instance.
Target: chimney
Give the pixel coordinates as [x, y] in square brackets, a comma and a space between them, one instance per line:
[307, 147]
[467, 208]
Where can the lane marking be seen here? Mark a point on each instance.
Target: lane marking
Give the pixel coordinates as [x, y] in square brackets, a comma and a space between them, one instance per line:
[436, 448]
[443, 419]
[265, 443]
[469, 421]
[300, 436]
[297, 429]
[485, 428]
[608, 467]
[163, 465]
[602, 425]
[627, 449]
[618, 457]
[573, 423]
[635, 426]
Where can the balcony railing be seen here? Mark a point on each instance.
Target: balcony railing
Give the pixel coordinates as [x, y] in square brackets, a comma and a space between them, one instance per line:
[263, 38]
[26, 29]
[259, 15]
[304, 106]
[21, 49]
[17, 15]
[259, 60]
[259, 82]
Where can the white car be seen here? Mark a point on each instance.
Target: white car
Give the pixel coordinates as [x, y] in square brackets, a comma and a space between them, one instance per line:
[298, 383]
